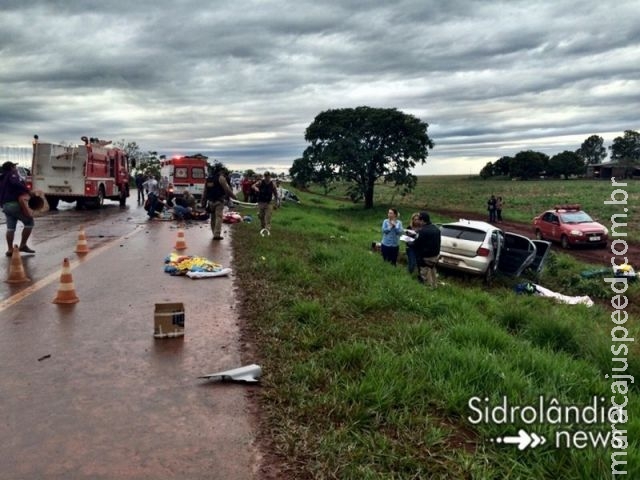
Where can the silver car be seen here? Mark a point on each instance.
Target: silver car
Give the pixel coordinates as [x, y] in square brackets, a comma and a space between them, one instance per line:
[482, 249]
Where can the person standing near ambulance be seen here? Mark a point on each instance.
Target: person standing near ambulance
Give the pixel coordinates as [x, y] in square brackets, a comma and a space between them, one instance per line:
[216, 190]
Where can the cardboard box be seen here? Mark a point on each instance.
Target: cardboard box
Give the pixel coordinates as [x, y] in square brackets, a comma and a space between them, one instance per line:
[168, 320]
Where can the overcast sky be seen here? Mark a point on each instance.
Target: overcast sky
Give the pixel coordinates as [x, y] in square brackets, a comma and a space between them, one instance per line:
[241, 80]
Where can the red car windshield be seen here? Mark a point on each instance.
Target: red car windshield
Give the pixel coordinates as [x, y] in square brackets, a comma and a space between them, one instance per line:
[575, 217]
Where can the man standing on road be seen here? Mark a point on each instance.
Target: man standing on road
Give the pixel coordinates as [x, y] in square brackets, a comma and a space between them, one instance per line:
[12, 187]
[266, 191]
[140, 186]
[216, 189]
[427, 248]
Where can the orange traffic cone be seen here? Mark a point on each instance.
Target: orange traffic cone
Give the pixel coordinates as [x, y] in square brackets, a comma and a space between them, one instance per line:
[66, 291]
[82, 246]
[16, 270]
[181, 244]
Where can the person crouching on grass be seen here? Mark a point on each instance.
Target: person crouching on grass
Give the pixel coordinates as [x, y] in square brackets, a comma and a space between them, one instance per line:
[391, 232]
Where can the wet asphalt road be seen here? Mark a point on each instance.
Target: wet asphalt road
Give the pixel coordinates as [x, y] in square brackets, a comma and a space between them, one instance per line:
[86, 391]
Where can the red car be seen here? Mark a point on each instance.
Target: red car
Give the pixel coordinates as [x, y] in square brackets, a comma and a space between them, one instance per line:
[570, 225]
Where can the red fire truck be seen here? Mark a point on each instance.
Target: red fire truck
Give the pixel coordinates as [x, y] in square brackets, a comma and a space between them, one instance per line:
[85, 174]
[185, 173]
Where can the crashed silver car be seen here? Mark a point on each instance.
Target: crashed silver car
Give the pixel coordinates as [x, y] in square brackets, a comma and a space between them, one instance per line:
[480, 248]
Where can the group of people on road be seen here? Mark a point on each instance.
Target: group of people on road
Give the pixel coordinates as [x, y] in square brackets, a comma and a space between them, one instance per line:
[217, 192]
[494, 207]
[423, 244]
[159, 200]
[264, 191]
[267, 193]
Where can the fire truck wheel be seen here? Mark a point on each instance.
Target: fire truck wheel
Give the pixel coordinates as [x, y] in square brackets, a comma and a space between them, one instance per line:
[53, 202]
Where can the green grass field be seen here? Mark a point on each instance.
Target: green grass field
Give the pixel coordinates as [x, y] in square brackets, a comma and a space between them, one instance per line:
[368, 374]
[523, 200]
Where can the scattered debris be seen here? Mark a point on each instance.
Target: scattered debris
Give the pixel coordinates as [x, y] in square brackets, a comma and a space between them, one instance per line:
[248, 373]
[168, 320]
[193, 267]
[621, 271]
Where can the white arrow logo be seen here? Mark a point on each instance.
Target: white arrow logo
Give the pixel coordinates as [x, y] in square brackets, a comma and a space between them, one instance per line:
[523, 440]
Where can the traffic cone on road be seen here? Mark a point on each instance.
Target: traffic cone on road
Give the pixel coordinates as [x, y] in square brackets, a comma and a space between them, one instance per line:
[82, 246]
[66, 291]
[181, 244]
[16, 270]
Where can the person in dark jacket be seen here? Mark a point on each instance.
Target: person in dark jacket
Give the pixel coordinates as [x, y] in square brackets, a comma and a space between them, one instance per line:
[12, 190]
[427, 248]
[491, 208]
[216, 191]
[266, 192]
[140, 186]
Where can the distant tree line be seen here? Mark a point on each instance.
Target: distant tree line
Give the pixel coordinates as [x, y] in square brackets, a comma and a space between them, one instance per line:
[625, 151]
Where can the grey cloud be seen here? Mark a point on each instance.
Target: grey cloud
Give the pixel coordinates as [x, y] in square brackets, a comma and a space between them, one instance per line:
[244, 79]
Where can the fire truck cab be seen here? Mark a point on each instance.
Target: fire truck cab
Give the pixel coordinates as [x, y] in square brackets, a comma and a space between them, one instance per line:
[185, 173]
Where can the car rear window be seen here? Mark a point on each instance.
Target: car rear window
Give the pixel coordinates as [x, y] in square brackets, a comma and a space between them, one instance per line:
[463, 233]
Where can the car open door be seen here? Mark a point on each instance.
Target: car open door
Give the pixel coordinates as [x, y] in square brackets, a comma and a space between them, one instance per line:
[542, 252]
[518, 252]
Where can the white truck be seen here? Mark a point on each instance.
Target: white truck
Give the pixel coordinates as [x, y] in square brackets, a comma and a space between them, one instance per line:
[86, 173]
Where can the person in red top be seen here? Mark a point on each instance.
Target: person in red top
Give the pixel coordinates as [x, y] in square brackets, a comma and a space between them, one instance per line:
[246, 188]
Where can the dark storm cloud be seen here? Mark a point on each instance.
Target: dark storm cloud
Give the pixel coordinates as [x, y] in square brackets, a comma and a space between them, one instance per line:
[242, 80]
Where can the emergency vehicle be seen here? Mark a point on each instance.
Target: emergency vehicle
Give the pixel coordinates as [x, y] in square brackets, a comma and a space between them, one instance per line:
[85, 174]
[185, 173]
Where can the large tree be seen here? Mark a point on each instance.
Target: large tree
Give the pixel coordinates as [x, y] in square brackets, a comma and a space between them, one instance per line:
[529, 164]
[361, 145]
[625, 150]
[502, 166]
[592, 150]
[487, 171]
[566, 164]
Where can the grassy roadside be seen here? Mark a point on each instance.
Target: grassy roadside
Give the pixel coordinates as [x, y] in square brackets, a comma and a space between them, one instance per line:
[369, 375]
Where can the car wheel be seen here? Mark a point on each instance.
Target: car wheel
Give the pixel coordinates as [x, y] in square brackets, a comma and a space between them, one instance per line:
[539, 235]
[564, 241]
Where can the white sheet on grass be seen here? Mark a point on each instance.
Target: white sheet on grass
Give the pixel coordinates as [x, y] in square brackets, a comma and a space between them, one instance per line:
[545, 292]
